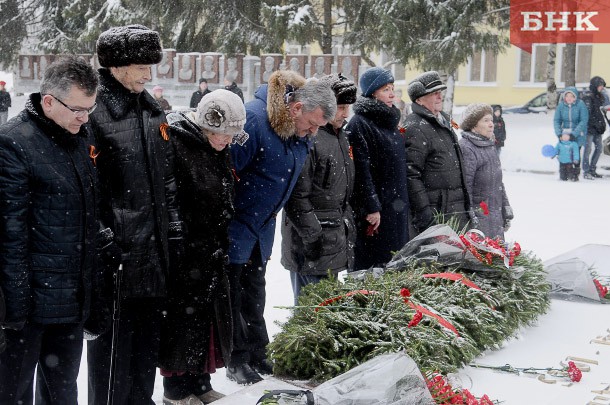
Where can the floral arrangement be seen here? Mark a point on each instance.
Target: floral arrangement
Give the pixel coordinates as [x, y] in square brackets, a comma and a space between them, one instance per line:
[601, 289]
[444, 394]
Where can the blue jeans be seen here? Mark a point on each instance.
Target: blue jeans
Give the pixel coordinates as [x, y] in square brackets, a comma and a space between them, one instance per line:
[300, 280]
[590, 165]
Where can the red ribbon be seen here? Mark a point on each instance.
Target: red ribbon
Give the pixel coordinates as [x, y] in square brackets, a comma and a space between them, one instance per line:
[454, 277]
[439, 318]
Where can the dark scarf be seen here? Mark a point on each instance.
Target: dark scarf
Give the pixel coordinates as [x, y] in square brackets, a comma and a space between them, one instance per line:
[378, 112]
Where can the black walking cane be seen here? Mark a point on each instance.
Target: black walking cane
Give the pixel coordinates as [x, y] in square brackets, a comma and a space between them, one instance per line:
[116, 318]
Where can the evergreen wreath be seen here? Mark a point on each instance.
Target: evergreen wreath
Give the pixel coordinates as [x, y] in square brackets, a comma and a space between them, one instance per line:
[442, 319]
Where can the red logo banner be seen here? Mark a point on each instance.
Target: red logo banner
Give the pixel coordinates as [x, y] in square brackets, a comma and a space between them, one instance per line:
[558, 21]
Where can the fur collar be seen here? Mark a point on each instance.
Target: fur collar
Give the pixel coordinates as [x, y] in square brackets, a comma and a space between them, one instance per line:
[378, 112]
[478, 140]
[277, 109]
[119, 100]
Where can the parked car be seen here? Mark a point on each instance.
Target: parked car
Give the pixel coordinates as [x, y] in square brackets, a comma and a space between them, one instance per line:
[536, 105]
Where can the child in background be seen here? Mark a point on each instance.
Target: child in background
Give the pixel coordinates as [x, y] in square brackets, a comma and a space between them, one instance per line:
[499, 127]
[569, 158]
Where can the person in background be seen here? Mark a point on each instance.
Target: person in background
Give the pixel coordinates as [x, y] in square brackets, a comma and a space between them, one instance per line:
[380, 198]
[232, 87]
[567, 155]
[49, 222]
[404, 108]
[434, 160]
[158, 95]
[318, 222]
[483, 171]
[196, 336]
[571, 118]
[499, 127]
[596, 126]
[198, 94]
[5, 102]
[267, 162]
[138, 199]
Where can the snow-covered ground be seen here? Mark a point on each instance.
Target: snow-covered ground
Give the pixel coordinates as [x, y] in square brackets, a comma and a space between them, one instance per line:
[551, 217]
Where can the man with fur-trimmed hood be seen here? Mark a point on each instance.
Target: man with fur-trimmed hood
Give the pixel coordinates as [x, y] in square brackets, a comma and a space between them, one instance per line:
[139, 203]
[267, 162]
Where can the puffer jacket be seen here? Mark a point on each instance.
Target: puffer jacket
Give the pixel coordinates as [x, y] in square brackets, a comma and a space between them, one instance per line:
[594, 100]
[573, 117]
[381, 185]
[483, 173]
[435, 169]
[138, 187]
[318, 208]
[268, 165]
[205, 197]
[48, 219]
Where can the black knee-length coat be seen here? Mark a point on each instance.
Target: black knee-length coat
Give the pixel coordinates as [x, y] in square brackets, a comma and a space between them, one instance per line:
[198, 297]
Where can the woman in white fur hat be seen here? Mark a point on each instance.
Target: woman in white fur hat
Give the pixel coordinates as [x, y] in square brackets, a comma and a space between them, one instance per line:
[483, 172]
[196, 335]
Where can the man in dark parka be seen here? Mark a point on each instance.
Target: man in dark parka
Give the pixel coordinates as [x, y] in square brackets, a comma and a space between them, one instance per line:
[434, 159]
[318, 223]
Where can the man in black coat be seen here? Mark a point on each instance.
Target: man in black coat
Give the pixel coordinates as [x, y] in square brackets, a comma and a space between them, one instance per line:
[138, 201]
[48, 218]
[318, 224]
[434, 161]
[596, 127]
[198, 94]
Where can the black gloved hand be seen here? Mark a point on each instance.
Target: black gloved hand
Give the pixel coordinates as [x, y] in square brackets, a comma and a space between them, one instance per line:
[175, 241]
[16, 324]
[506, 225]
[507, 212]
[423, 220]
[313, 250]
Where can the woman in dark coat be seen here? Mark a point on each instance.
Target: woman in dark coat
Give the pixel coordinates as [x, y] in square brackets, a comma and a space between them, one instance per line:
[483, 172]
[380, 199]
[196, 335]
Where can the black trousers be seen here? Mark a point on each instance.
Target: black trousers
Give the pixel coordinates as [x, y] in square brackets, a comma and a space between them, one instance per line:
[56, 350]
[247, 283]
[568, 171]
[136, 359]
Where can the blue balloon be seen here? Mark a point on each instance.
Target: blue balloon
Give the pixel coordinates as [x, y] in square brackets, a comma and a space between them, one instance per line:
[548, 151]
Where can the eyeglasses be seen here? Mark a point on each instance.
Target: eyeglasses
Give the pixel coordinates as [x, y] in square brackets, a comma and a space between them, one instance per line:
[78, 112]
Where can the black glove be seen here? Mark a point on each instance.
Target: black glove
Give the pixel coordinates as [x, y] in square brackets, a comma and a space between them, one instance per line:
[506, 225]
[175, 241]
[313, 250]
[423, 220]
[108, 261]
[507, 212]
[14, 325]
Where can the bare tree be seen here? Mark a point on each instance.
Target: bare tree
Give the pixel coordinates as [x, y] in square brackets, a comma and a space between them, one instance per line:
[551, 87]
[569, 64]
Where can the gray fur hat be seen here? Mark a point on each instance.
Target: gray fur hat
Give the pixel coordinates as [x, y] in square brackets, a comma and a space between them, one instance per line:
[129, 45]
[426, 83]
[221, 111]
[345, 90]
[473, 114]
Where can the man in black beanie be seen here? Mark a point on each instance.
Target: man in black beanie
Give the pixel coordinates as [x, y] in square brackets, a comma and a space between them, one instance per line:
[138, 201]
[318, 226]
[198, 94]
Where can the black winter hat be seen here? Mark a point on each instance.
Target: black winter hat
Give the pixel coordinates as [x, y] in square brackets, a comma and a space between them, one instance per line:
[129, 45]
[595, 82]
[426, 83]
[345, 90]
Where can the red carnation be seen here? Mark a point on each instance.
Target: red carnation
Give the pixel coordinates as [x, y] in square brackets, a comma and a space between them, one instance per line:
[574, 372]
[484, 207]
[404, 292]
[416, 319]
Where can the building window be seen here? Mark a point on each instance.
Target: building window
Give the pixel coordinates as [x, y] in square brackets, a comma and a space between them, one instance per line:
[532, 67]
[584, 55]
[483, 67]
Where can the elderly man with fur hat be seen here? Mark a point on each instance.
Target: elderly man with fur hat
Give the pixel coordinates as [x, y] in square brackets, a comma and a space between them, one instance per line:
[380, 199]
[434, 160]
[139, 204]
[318, 224]
[267, 161]
[483, 171]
